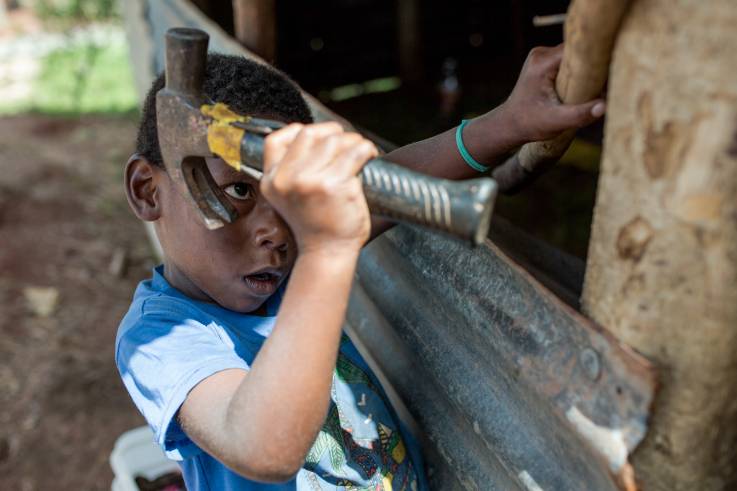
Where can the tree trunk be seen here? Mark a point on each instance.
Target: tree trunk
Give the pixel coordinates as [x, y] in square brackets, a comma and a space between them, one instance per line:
[662, 266]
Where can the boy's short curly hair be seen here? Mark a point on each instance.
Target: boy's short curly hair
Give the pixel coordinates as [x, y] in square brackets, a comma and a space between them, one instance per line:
[246, 86]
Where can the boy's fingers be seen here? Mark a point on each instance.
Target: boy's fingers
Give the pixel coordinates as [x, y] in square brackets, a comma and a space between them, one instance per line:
[277, 144]
[349, 162]
[578, 115]
[321, 154]
[308, 136]
[598, 109]
[327, 149]
[548, 58]
[552, 63]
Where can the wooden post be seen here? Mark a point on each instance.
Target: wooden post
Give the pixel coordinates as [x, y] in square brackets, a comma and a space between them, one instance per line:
[662, 263]
[3, 13]
[409, 41]
[255, 26]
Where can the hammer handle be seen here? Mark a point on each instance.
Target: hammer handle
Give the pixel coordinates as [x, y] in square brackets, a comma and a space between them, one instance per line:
[459, 208]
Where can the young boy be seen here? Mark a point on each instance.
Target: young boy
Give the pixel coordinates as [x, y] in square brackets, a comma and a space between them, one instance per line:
[239, 395]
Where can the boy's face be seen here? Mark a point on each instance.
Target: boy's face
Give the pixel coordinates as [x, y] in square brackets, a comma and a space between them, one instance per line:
[237, 266]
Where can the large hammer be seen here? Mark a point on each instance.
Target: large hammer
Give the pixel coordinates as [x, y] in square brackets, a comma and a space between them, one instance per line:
[191, 127]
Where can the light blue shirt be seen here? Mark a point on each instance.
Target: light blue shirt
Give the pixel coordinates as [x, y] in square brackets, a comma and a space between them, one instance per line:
[167, 343]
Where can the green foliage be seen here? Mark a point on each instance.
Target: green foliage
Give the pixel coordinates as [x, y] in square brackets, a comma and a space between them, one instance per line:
[76, 10]
[86, 78]
[82, 78]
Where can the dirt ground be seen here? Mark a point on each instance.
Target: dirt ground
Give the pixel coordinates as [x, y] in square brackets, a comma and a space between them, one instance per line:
[64, 227]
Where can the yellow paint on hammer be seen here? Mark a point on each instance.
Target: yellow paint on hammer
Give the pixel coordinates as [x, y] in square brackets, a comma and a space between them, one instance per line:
[223, 138]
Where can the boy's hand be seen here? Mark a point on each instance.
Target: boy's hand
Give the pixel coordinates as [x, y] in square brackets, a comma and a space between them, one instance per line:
[310, 178]
[533, 108]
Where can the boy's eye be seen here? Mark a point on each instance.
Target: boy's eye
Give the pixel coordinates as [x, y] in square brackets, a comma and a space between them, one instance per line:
[239, 190]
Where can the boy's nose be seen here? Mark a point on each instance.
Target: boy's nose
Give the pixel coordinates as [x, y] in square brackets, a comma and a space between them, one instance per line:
[270, 230]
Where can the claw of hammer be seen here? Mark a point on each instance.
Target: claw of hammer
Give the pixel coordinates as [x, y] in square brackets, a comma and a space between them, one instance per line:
[190, 128]
[182, 128]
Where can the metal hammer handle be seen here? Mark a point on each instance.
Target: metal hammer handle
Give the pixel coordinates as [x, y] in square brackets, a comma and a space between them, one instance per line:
[459, 208]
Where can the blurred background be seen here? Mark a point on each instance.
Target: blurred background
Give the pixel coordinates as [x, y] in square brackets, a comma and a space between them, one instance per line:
[70, 251]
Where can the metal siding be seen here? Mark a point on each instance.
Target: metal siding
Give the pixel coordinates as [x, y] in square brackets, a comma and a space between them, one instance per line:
[492, 364]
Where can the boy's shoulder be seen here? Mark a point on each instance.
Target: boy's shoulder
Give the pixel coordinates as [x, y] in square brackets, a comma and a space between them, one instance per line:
[161, 317]
[166, 344]
[155, 300]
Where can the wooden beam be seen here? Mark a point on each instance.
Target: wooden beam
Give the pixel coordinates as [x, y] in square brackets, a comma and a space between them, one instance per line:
[255, 26]
[409, 41]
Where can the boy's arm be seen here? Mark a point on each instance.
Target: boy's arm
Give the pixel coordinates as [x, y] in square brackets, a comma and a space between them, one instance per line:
[532, 112]
[262, 423]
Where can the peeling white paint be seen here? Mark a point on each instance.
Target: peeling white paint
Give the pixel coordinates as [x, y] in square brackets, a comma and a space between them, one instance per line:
[529, 482]
[609, 442]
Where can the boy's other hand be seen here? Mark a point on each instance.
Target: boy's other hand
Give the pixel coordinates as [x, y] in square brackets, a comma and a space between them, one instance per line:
[533, 107]
[310, 178]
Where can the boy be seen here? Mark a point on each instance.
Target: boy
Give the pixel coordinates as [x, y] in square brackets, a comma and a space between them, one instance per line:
[243, 397]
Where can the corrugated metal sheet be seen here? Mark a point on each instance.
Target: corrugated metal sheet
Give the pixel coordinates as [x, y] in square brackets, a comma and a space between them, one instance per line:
[511, 385]
[513, 389]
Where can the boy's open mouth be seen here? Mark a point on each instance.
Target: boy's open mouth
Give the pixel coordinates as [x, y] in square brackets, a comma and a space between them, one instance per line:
[263, 282]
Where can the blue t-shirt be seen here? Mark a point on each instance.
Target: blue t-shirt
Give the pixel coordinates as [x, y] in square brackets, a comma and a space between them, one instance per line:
[167, 343]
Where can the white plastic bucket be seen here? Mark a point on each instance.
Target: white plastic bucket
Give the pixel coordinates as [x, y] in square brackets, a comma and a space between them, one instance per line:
[136, 454]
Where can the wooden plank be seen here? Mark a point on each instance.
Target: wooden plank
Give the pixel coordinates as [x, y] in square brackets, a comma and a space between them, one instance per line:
[410, 41]
[255, 26]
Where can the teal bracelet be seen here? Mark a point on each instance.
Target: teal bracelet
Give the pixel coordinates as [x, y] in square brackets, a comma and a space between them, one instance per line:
[464, 153]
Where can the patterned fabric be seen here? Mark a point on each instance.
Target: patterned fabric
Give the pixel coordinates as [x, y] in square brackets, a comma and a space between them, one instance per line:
[360, 446]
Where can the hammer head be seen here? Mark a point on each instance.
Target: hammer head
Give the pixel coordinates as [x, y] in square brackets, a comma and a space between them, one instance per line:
[182, 127]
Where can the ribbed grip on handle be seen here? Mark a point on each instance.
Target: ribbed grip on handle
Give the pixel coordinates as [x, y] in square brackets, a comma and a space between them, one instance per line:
[459, 208]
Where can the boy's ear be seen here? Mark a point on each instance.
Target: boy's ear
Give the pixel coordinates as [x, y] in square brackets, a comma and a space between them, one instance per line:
[142, 182]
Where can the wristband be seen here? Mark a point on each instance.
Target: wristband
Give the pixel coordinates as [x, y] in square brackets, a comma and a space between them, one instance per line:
[464, 153]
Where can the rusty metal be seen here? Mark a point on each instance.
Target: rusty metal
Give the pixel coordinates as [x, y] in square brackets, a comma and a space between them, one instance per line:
[513, 389]
[191, 128]
[182, 129]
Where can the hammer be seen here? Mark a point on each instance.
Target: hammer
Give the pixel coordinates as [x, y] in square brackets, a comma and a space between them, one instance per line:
[190, 128]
